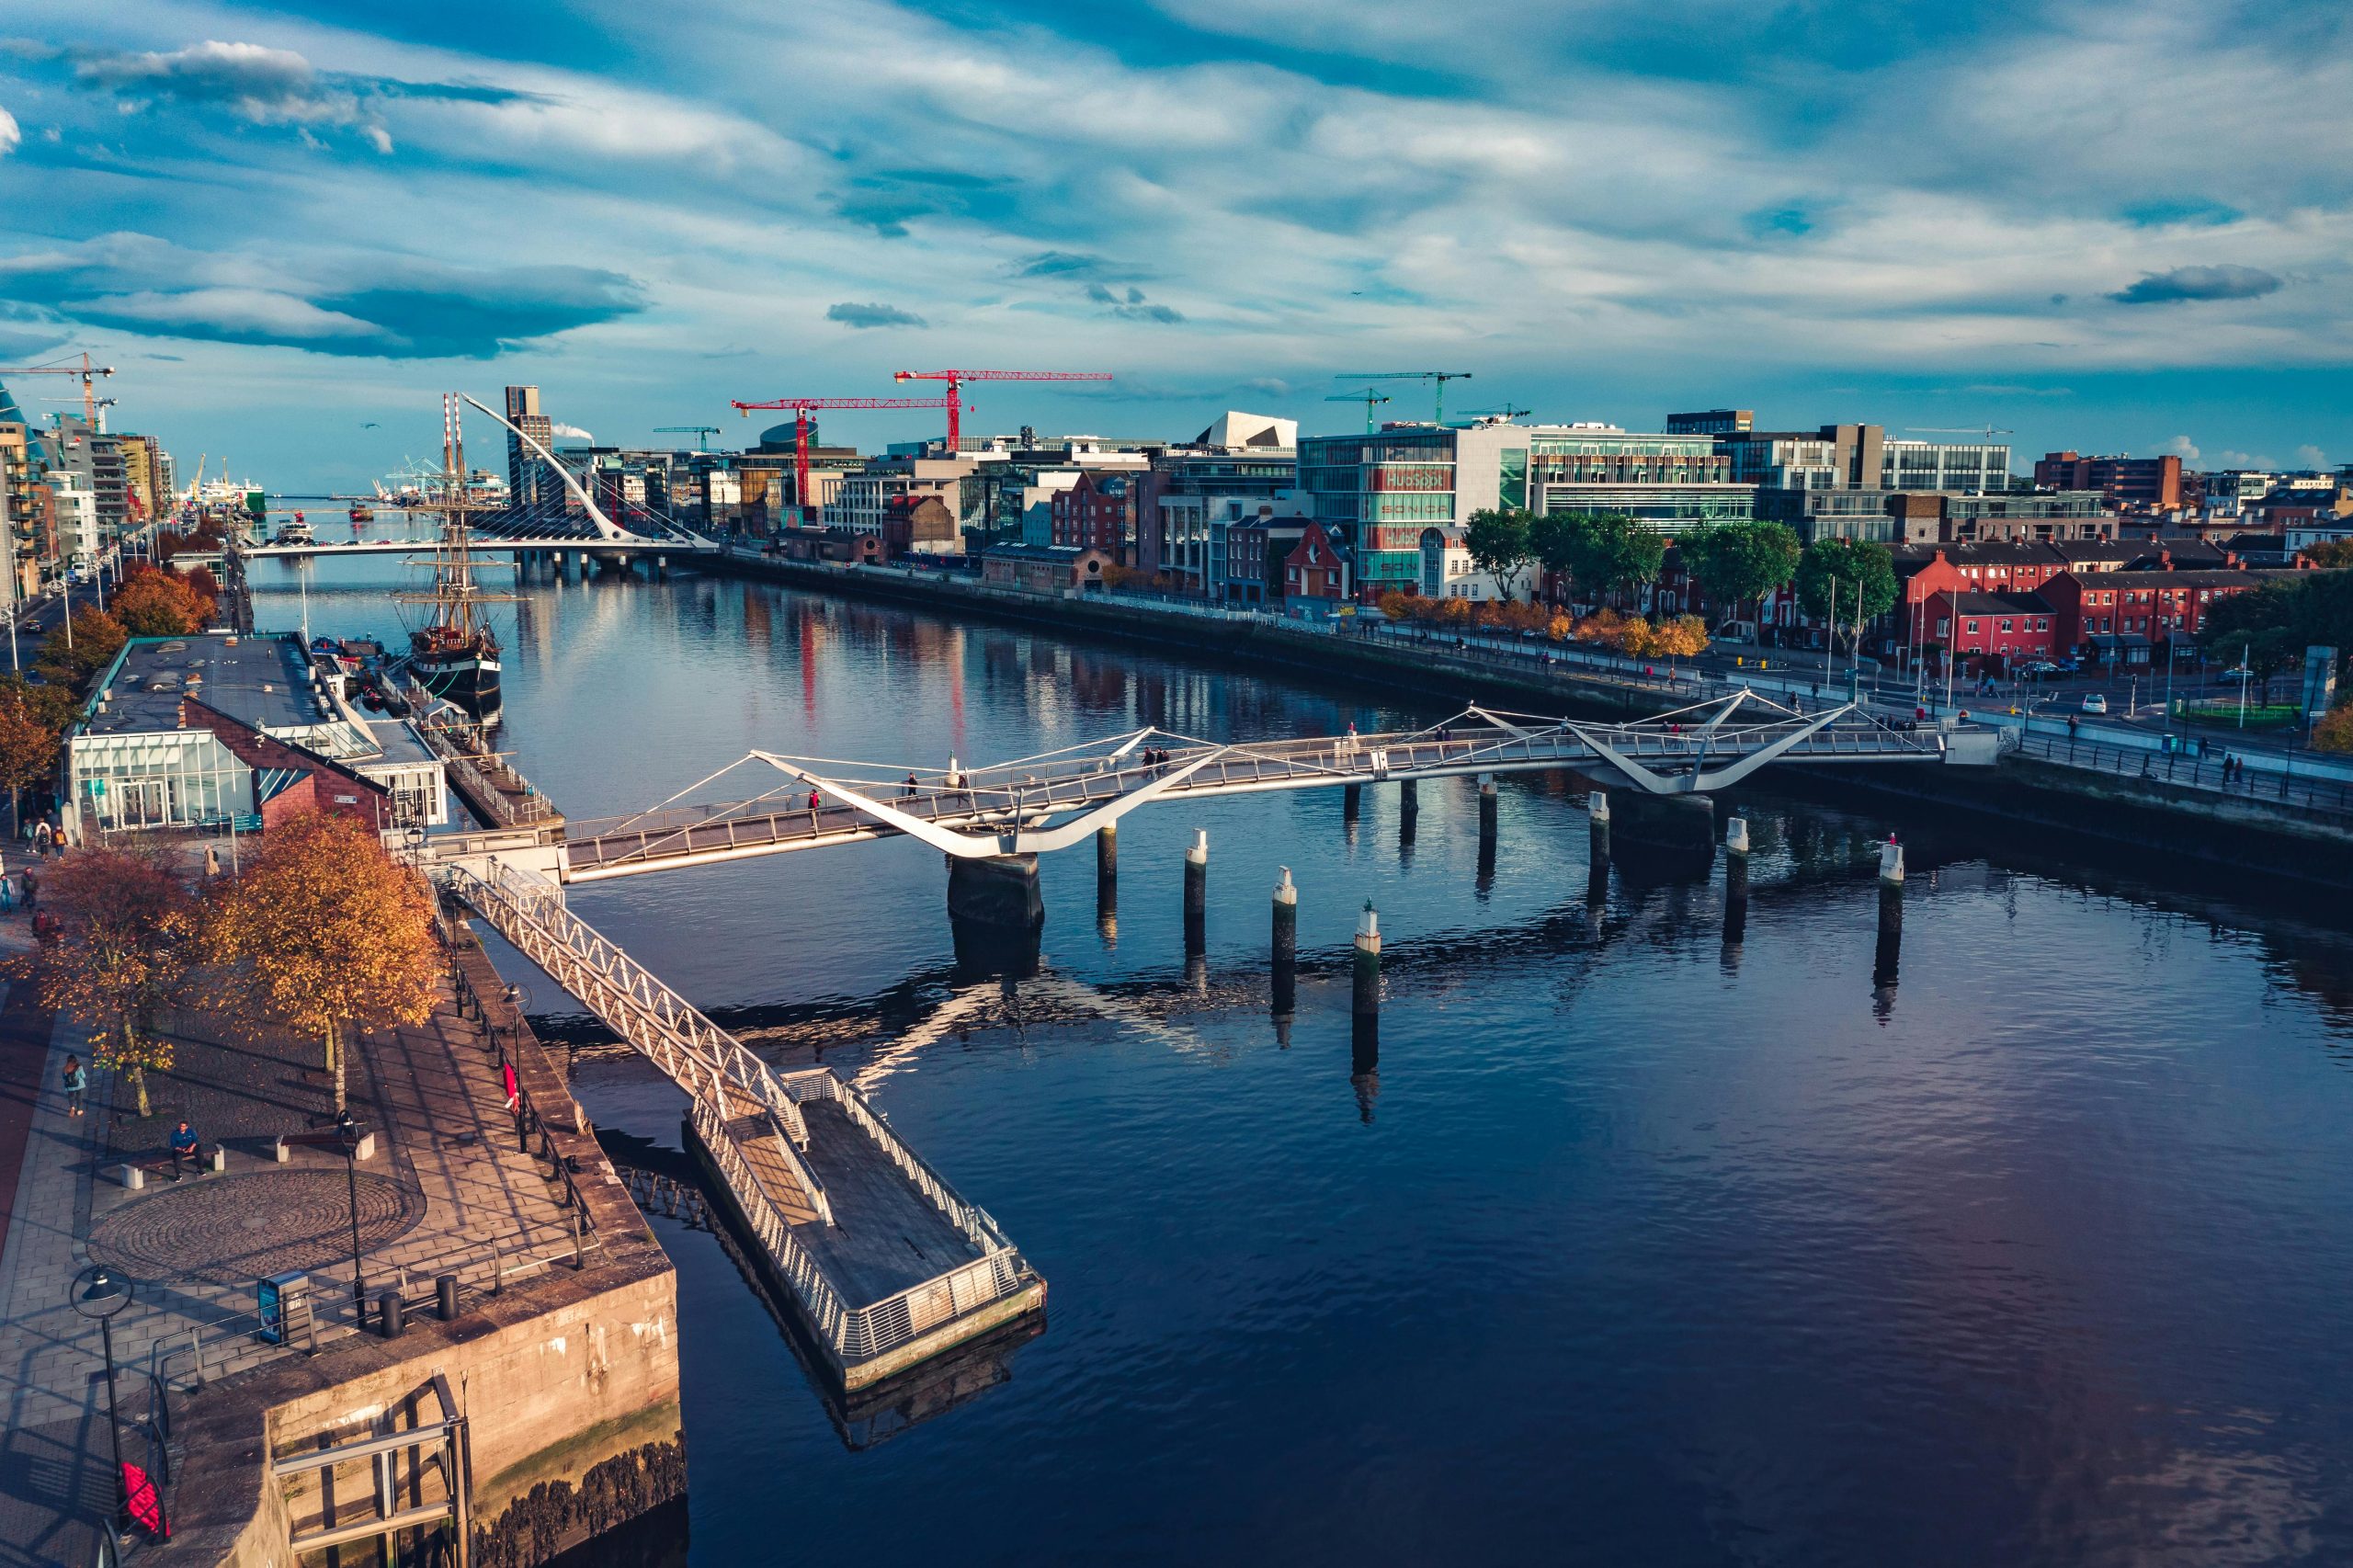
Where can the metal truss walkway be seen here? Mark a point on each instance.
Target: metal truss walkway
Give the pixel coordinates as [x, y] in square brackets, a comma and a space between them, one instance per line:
[885, 1262]
[1056, 798]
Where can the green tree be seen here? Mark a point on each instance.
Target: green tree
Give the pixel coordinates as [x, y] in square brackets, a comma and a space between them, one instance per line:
[1499, 543]
[1556, 538]
[1831, 570]
[1736, 563]
[1615, 554]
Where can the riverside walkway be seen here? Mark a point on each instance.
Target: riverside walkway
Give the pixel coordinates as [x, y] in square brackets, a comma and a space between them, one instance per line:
[449, 1188]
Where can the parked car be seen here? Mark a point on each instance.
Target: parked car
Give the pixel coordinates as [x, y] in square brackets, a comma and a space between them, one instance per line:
[2094, 702]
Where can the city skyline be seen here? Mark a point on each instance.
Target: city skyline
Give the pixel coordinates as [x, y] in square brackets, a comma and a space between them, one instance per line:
[283, 227]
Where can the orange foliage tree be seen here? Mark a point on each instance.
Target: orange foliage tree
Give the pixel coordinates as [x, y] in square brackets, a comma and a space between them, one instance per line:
[328, 935]
[158, 604]
[2335, 731]
[1685, 637]
[1637, 639]
[119, 950]
[28, 743]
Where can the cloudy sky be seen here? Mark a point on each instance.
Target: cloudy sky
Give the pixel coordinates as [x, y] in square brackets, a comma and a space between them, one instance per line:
[2117, 227]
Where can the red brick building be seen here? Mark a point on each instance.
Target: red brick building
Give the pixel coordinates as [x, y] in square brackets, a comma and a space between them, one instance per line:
[2149, 483]
[2012, 628]
[1098, 512]
[1315, 569]
[2123, 614]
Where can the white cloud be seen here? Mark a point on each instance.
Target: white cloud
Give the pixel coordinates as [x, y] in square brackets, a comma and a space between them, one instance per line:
[240, 311]
[2312, 457]
[10, 137]
[2181, 447]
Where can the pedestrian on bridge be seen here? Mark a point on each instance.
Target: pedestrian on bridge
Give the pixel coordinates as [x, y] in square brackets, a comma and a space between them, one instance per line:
[912, 789]
[814, 802]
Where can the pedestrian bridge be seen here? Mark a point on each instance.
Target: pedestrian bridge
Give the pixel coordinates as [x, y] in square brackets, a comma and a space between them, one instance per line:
[1056, 798]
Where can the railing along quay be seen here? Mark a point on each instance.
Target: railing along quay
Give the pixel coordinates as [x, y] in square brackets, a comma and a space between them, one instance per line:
[2326, 796]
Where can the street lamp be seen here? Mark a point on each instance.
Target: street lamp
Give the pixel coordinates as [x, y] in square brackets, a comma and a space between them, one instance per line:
[100, 1292]
[346, 1133]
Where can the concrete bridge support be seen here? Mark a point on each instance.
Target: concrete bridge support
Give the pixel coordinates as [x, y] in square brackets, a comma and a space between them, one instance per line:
[1364, 1031]
[1106, 869]
[999, 892]
[1736, 891]
[1351, 801]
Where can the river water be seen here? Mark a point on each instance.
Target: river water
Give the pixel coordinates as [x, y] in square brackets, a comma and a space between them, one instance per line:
[1637, 1244]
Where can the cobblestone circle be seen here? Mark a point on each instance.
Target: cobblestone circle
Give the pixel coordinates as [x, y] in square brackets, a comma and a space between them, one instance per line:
[233, 1230]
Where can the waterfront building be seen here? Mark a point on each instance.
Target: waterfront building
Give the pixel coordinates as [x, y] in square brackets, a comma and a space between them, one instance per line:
[1243, 469]
[1863, 457]
[1316, 567]
[1255, 549]
[2119, 617]
[1713, 422]
[529, 483]
[1097, 512]
[2134, 482]
[867, 496]
[2014, 628]
[1045, 568]
[211, 730]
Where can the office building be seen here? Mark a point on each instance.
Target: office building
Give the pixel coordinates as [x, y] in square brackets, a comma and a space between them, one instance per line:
[529, 483]
[2140, 482]
[1712, 422]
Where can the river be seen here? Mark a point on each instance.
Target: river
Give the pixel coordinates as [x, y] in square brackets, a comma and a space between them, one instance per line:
[1636, 1245]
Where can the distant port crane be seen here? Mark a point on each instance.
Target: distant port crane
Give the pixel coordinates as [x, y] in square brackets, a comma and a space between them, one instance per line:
[702, 433]
[956, 380]
[1439, 377]
[802, 406]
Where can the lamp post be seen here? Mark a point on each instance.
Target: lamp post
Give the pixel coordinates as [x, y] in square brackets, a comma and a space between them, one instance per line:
[100, 1292]
[346, 1133]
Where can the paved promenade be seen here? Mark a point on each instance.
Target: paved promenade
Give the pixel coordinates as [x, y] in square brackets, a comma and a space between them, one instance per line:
[449, 1190]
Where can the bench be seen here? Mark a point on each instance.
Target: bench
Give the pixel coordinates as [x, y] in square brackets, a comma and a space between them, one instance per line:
[288, 1142]
[209, 1160]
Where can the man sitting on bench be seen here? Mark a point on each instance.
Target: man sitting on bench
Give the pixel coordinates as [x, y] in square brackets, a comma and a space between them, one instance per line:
[184, 1148]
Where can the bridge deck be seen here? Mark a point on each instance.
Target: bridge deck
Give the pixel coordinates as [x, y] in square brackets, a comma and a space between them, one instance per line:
[996, 798]
[886, 1236]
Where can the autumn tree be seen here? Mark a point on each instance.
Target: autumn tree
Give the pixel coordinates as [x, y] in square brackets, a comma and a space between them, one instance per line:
[157, 604]
[205, 586]
[328, 935]
[119, 950]
[1685, 637]
[98, 638]
[2335, 731]
[28, 745]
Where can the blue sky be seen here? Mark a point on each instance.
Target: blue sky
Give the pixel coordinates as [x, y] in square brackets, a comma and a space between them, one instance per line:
[2117, 227]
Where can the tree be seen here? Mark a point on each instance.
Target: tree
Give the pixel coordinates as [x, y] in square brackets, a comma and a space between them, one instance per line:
[1556, 538]
[1500, 545]
[98, 638]
[2330, 553]
[27, 746]
[1613, 554]
[1737, 563]
[328, 935]
[120, 948]
[158, 604]
[1396, 607]
[1638, 638]
[205, 586]
[1685, 637]
[1831, 570]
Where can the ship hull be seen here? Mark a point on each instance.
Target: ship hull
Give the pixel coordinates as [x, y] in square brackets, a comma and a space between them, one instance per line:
[469, 680]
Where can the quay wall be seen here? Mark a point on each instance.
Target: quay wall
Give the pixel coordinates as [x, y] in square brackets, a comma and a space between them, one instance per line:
[568, 1380]
[2231, 832]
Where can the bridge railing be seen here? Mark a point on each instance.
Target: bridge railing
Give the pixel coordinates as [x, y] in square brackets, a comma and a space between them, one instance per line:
[818, 1297]
[2324, 796]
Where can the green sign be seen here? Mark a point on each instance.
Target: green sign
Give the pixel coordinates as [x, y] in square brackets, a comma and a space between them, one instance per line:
[97, 786]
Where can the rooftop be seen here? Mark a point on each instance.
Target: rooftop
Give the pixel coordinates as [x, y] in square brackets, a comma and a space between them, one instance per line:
[265, 681]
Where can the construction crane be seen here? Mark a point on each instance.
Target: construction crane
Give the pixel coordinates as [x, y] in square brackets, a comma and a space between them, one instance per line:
[956, 380]
[702, 433]
[1438, 377]
[87, 372]
[1506, 412]
[1366, 397]
[98, 410]
[1983, 433]
[802, 406]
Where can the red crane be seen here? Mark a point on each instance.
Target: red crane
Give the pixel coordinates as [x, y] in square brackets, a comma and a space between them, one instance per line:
[956, 380]
[800, 407]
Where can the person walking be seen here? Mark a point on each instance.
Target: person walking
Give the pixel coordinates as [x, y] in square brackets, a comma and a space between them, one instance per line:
[812, 800]
[184, 1148]
[77, 1083]
[32, 889]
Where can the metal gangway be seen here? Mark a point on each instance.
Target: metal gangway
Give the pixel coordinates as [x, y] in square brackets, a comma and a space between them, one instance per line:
[1056, 798]
[772, 1138]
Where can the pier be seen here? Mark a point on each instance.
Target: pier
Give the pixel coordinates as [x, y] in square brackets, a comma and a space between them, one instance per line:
[885, 1265]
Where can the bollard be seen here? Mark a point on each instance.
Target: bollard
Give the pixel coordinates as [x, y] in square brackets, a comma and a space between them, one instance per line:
[1366, 1002]
[1597, 811]
[1736, 836]
[1351, 801]
[388, 1307]
[1106, 857]
[1409, 796]
[445, 1297]
[1286, 920]
[1486, 808]
[1197, 892]
[1890, 862]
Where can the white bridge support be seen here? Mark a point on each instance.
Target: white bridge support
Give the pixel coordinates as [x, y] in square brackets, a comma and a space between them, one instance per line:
[745, 1114]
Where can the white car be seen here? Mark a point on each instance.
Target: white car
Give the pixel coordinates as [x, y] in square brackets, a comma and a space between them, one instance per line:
[2095, 703]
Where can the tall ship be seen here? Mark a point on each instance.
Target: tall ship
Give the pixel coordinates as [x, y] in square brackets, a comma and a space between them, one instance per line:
[455, 653]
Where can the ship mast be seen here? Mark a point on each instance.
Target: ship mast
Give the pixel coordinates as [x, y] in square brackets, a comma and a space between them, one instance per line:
[456, 599]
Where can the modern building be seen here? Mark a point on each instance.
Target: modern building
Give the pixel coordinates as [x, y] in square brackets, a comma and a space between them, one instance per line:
[1243, 470]
[79, 540]
[529, 483]
[1862, 457]
[1713, 422]
[2140, 482]
[209, 730]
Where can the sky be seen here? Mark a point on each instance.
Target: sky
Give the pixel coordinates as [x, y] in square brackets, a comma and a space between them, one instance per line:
[2117, 227]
